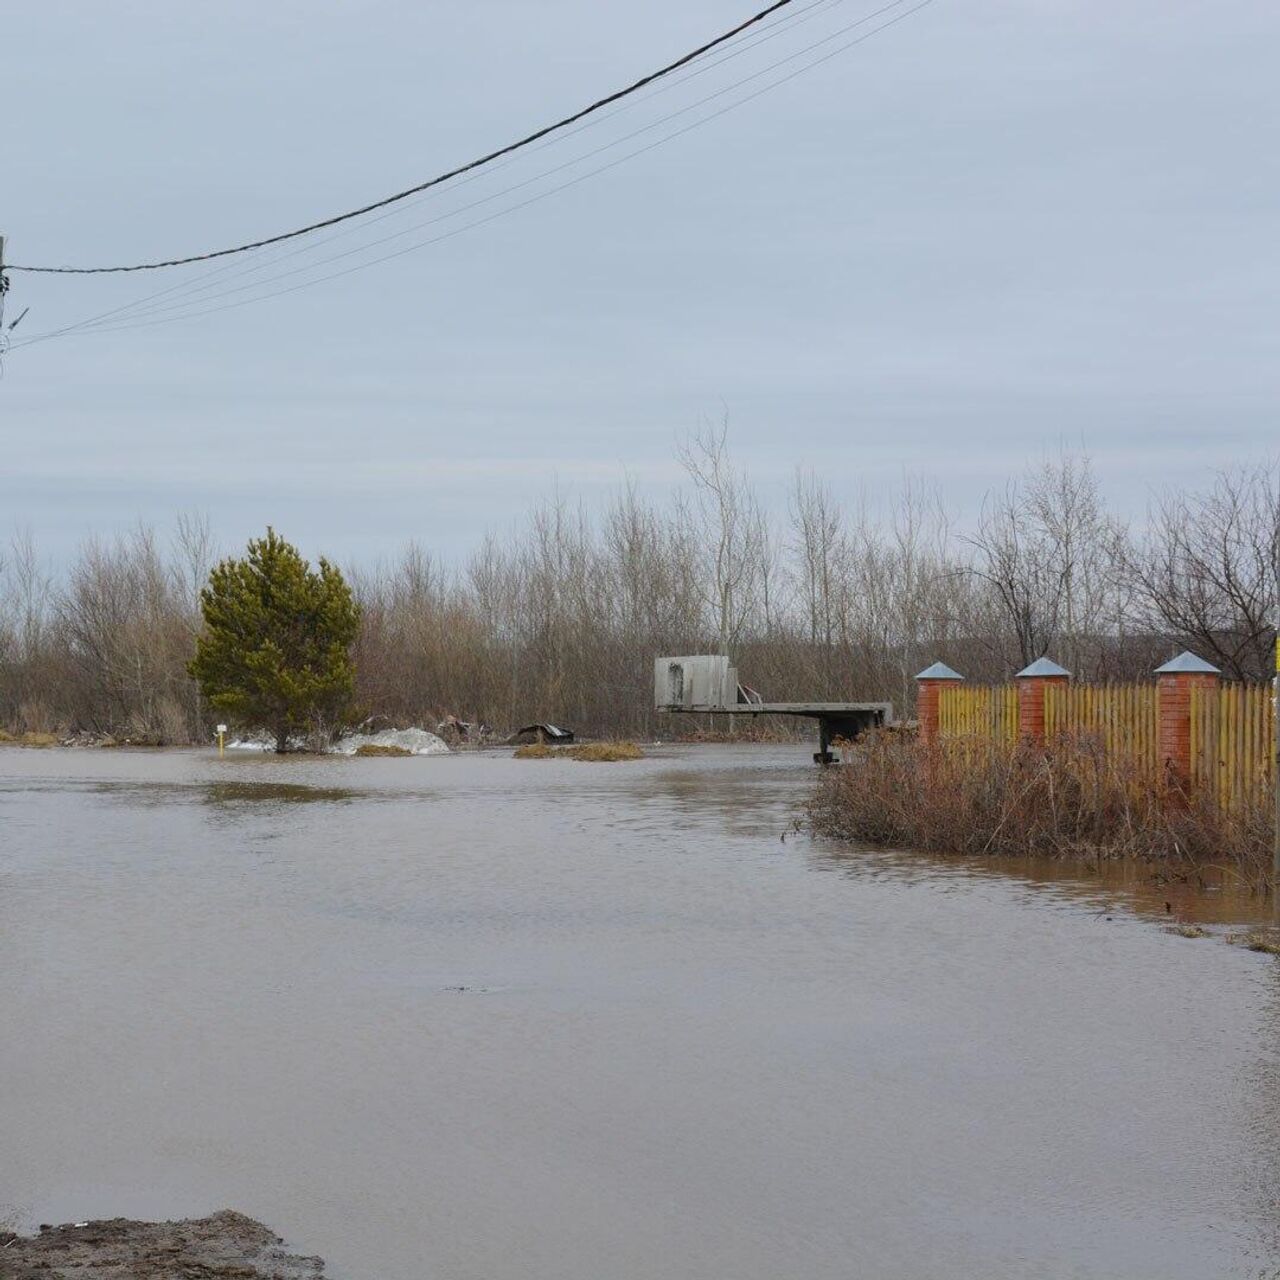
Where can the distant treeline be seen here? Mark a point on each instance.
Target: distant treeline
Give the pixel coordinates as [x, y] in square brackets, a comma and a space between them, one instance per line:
[561, 620]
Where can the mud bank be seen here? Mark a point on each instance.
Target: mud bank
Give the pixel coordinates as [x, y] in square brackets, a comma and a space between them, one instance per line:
[224, 1244]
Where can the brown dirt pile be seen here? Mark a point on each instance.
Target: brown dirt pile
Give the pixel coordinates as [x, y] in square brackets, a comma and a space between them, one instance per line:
[224, 1246]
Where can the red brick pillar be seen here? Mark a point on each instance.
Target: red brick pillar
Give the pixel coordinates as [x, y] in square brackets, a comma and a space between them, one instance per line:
[929, 685]
[1032, 682]
[1174, 683]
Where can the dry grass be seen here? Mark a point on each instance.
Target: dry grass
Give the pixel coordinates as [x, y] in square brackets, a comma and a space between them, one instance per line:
[39, 740]
[596, 752]
[1067, 799]
[1267, 943]
[5, 736]
[1187, 931]
[605, 752]
[767, 729]
[367, 749]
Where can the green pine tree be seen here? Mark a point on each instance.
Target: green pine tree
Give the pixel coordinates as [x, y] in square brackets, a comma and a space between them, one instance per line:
[275, 653]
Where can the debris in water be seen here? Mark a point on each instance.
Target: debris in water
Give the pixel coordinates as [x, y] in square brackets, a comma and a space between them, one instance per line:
[541, 732]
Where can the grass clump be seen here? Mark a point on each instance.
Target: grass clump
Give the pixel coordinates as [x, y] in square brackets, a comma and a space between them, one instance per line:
[595, 752]
[376, 749]
[1267, 943]
[5, 736]
[1187, 931]
[605, 752]
[39, 740]
[1068, 798]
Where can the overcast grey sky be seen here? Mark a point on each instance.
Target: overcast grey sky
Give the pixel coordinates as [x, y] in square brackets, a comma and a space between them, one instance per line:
[996, 226]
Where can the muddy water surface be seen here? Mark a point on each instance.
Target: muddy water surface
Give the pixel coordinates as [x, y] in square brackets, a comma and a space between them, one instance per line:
[476, 1017]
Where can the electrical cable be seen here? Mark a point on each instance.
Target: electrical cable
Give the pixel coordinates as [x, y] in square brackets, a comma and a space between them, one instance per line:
[217, 275]
[510, 147]
[131, 322]
[180, 304]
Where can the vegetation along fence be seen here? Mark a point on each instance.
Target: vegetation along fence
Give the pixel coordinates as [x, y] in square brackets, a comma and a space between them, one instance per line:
[1216, 739]
[1125, 718]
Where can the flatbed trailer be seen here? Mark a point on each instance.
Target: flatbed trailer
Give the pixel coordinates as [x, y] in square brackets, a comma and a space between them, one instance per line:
[705, 684]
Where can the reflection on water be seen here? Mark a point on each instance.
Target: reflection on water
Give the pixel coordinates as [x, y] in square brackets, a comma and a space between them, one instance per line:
[234, 793]
[481, 1017]
[1212, 898]
[231, 793]
[749, 797]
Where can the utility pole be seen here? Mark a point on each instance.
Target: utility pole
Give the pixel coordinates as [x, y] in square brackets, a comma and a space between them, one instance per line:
[4, 287]
[6, 329]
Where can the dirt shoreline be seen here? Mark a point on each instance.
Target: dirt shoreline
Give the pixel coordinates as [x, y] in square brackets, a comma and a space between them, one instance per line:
[223, 1246]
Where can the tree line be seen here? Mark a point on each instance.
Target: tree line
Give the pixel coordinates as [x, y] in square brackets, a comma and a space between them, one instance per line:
[561, 619]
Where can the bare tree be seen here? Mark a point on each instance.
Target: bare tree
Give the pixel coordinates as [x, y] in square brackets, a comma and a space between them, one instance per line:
[1206, 570]
[819, 550]
[28, 592]
[1053, 556]
[1085, 545]
[732, 528]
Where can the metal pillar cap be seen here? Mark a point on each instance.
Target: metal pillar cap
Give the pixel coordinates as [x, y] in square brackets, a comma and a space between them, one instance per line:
[1186, 663]
[939, 671]
[1042, 667]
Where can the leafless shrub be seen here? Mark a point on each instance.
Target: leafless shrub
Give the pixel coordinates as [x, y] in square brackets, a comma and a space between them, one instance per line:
[1069, 798]
[34, 717]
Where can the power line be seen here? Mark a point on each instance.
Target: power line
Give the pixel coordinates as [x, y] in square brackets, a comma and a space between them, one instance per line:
[133, 322]
[219, 275]
[177, 304]
[511, 147]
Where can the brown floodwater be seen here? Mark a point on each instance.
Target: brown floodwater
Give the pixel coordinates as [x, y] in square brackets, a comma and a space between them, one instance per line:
[474, 1017]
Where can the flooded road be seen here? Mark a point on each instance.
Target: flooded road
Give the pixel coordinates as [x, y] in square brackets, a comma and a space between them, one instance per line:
[473, 1017]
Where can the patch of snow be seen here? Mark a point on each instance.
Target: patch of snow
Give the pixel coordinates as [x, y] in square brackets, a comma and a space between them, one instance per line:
[418, 742]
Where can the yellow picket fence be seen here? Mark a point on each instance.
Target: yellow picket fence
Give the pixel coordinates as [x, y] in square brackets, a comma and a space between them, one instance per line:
[1233, 744]
[1232, 729]
[1124, 717]
[979, 711]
